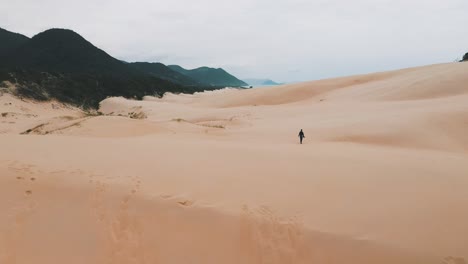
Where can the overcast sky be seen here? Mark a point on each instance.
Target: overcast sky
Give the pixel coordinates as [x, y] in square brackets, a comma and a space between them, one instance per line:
[286, 40]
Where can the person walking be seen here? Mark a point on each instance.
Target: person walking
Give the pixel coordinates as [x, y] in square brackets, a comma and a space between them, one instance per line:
[301, 135]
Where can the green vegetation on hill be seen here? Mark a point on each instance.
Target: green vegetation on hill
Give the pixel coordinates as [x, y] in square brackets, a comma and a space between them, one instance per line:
[210, 76]
[10, 41]
[61, 64]
[162, 71]
[61, 50]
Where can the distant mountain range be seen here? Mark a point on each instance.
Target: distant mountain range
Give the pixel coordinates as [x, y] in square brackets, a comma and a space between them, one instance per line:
[203, 76]
[258, 82]
[162, 71]
[61, 64]
[209, 76]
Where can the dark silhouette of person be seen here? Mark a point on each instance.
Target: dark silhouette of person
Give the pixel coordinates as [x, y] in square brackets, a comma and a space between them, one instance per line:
[301, 135]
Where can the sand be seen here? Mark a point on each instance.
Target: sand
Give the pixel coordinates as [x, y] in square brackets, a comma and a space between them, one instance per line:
[220, 177]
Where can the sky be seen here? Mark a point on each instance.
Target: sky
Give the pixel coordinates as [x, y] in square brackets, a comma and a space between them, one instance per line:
[284, 40]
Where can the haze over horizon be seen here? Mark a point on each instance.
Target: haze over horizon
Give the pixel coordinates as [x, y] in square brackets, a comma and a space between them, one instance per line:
[286, 41]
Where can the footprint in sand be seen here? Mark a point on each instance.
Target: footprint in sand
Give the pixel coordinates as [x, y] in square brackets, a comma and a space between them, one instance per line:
[136, 184]
[57, 172]
[165, 196]
[454, 260]
[269, 237]
[186, 202]
[77, 172]
[120, 226]
[23, 210]
[180, 201]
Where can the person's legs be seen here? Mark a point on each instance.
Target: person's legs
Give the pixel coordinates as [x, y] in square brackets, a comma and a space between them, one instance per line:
[301, 140]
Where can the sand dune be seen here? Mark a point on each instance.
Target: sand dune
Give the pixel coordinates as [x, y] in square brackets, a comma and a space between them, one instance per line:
[219, 177]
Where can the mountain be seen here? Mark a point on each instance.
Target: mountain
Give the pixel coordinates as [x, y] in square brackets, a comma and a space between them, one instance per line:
[10, 41]
[210, 76]
[270, 82]
[63, 50]
[259, 82]
[465, 58]
[61, 64]
[162, 71]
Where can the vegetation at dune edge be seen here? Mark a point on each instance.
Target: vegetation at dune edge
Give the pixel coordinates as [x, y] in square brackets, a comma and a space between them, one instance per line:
[60, 64]
[137, 115]
[214, 126]
[465, 58]
[179, 120]
[91, 113]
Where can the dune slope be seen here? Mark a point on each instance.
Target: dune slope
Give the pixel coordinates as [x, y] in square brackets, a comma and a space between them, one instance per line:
[219, 177]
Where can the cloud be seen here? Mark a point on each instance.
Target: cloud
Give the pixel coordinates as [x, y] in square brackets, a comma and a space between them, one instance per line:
[318, 38]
